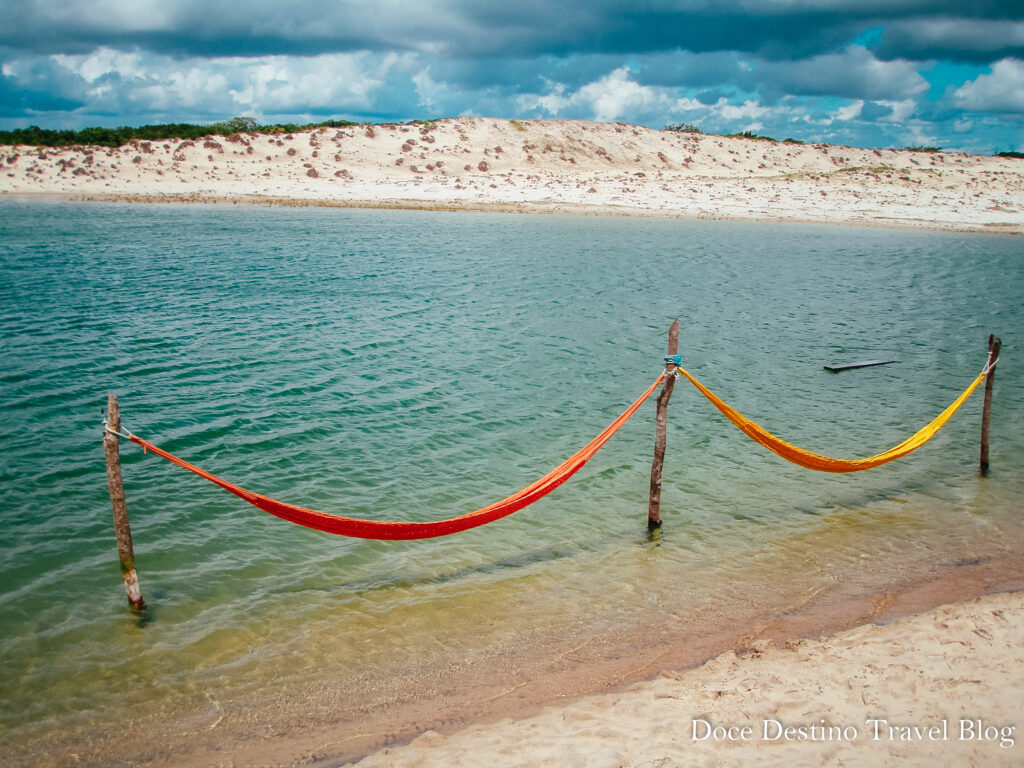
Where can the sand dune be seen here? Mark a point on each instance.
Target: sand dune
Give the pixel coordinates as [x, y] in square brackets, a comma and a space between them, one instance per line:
[556, 166]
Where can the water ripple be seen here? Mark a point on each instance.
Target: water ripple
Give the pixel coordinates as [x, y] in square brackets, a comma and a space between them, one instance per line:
[414, 366]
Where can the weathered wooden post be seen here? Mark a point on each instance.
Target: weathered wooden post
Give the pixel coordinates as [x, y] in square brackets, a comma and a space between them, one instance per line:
[654, 505]
[121, 526]
[994, 345]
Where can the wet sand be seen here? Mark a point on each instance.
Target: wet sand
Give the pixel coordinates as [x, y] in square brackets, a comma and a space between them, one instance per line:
[963, 628]
[941, 687]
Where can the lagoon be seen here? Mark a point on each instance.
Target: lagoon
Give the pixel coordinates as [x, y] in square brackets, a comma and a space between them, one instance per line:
[417, 365]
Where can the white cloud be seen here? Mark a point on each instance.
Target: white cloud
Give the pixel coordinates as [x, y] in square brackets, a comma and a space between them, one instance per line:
[615, 95]
[1000, 91]
[748, 110]
[901, 110]
[853, 73]
[264, 85]
[850, 111]
[426, 88]
[102, 61]
[611, 97]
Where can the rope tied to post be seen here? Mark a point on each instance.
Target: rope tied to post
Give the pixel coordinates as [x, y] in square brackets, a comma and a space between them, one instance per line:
[395, 530]
[819, 462]
[123, 433]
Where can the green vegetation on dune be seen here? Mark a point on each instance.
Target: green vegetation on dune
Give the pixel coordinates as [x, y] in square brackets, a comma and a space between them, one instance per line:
[683, 128]
[115, 137]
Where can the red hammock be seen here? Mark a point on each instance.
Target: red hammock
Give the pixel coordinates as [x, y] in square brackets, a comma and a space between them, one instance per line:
[393, 530]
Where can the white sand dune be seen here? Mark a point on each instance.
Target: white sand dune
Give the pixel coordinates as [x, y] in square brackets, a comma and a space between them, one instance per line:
[555, 166]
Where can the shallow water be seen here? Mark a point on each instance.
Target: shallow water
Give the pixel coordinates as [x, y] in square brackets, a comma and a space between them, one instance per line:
[417, 365]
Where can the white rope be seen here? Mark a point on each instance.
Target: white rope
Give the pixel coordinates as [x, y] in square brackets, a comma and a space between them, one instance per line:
[106, 428]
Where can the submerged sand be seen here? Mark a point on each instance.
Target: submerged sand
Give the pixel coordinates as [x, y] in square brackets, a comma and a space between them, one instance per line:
[943, 687]
[558, 166]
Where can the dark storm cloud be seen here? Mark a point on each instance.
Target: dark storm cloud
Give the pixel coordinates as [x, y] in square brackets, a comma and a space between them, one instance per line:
[975, 40]
[527, 28]
[807, 65]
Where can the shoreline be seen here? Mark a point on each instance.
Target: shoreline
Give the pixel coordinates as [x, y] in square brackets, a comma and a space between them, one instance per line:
[504, 706]
[939, 686]
[555, 166]
[535, 208]
[609, 669]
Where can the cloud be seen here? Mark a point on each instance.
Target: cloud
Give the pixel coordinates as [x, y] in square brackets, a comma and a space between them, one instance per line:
[525, 29]
[429, 91]
[610, 98]
[792, 65]
[221, 28]
[615, 96]
[954, 37]
[876, 111]
[1002, 91]
[850, 111]
[107, 81]
[854, 73]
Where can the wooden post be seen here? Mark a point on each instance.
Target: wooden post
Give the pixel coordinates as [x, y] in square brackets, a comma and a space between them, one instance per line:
[654, 505]
[121, 527]
[994, 346]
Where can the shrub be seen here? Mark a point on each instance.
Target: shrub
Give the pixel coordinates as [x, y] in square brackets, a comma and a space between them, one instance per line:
[683, 128]
[749, 135]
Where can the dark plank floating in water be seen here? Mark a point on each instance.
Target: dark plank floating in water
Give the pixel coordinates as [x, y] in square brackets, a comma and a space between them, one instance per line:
[851, 366]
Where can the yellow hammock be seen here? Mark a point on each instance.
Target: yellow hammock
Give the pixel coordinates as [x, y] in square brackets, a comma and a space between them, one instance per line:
[825, 463]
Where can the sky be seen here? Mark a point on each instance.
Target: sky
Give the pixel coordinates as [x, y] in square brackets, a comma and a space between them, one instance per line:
[869, 73]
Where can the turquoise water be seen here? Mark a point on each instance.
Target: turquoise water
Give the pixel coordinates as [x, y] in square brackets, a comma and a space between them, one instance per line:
[418, 365]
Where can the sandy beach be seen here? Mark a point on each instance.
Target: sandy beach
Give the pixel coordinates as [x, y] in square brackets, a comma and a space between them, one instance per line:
[943, 687]
[556, 166]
